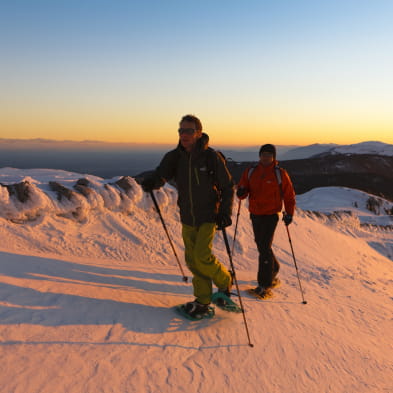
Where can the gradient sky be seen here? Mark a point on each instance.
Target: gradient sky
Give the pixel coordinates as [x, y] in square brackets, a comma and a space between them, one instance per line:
[254, 71]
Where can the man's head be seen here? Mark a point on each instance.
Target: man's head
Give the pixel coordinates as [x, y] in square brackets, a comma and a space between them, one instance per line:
[267, 154]
[190, 131]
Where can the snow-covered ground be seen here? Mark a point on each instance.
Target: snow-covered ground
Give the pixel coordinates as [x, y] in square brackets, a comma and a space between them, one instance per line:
[87, 287]
[346, 200]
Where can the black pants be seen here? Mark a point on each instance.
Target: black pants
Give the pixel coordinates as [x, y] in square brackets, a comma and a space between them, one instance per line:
[264, 228]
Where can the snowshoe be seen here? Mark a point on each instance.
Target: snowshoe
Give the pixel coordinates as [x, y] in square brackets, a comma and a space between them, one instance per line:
[222, 300]
[195, 311]
[261, 293]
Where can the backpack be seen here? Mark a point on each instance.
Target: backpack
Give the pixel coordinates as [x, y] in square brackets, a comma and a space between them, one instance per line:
[211, 162]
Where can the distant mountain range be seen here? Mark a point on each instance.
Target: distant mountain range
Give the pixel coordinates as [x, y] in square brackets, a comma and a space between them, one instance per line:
[301, 152]
[377, 148]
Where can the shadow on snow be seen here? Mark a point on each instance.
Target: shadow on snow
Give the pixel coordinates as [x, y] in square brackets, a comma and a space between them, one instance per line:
[20, 304]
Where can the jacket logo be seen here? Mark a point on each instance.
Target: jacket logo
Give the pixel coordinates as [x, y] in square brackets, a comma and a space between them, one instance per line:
[203, 169]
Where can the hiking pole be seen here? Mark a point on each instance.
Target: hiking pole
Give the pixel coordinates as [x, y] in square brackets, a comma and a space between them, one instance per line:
[237, 286]
[294, 260]
[237, 221]
[185, 279]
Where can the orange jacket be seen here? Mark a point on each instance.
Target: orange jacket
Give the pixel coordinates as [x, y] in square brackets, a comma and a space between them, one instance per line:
[263, 190]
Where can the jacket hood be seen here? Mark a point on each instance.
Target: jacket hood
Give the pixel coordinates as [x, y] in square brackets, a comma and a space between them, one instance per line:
[203, 142]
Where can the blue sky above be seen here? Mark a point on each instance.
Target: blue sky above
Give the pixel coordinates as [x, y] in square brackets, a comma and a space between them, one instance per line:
[119, 70]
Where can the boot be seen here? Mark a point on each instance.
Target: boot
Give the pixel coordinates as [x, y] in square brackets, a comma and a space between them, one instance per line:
[262, 292]
[196, 310]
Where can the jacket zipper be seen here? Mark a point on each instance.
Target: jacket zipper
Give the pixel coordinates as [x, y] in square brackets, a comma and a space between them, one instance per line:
[190, 190]
[196, 176]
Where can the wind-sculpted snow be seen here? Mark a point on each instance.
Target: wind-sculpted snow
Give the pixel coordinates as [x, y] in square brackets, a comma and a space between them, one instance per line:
[68, 195]
[31, 195]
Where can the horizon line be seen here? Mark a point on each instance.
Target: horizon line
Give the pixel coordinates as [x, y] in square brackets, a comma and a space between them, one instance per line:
[44, 141]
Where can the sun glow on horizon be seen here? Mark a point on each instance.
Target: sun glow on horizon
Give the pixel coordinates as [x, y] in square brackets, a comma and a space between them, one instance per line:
[227, 135]
[323, 76]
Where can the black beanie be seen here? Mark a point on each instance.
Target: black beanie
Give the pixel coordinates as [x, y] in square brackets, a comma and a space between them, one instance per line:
[268, 148]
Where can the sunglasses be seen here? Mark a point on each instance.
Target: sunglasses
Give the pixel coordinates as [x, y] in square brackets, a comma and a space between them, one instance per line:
[187, 131]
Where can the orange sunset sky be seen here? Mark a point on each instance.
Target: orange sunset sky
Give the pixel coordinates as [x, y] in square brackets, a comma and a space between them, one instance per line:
[290, 72]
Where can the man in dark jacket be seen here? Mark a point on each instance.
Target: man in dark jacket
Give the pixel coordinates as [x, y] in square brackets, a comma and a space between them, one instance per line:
[205, 196]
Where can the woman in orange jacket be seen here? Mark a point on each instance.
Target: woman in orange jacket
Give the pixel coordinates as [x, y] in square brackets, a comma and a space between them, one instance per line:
[267, 186]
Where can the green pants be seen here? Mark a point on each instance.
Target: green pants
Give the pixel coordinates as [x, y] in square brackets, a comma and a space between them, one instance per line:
[205, 267]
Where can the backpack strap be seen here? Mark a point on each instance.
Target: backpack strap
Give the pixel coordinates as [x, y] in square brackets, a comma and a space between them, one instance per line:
[277, 171]
[211, 163]
[251, 170]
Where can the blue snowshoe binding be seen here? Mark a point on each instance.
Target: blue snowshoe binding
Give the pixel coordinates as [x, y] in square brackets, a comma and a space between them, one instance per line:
[222, 300]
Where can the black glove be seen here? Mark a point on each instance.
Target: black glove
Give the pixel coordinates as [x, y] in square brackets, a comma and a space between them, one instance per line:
[149, 184]
[241, 191]
[223, 220]
[287, 218]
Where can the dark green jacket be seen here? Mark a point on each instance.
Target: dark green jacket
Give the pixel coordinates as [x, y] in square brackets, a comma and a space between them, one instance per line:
[204, 184]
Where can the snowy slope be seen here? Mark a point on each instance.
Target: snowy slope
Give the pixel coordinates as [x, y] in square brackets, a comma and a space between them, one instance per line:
[370, 147]
[86, 302]
[347, 200]
[306, 151]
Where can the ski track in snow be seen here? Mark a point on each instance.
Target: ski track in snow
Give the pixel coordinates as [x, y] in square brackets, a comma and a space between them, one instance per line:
[86, 306]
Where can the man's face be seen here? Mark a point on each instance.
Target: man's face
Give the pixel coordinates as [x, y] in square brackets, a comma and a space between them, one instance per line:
[188, 134]
[266, 158]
